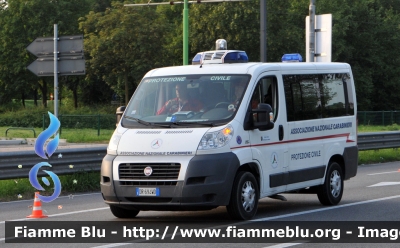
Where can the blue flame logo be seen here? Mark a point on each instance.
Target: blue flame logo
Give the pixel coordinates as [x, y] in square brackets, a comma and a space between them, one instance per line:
[45, 135]
[50, 149]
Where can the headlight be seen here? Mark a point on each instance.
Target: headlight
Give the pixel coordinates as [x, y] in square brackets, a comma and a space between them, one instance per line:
[113, 145]
[216, 139]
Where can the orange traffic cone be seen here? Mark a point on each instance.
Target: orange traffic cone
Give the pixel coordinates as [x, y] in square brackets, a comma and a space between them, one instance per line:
[37, 208]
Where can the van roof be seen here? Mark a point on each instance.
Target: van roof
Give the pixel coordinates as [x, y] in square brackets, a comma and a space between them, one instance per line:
[243, 68]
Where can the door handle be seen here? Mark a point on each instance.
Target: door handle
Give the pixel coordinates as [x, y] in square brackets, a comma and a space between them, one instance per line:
[281, 132]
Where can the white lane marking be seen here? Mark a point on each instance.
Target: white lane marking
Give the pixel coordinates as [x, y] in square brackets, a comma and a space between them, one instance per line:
[283, 245]
[388, 172]
[289, 215]
[57, 198]
[384, 184]
[328, 208]
[68, 213]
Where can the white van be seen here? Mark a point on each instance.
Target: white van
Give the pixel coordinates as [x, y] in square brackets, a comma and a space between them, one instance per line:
[226, 132]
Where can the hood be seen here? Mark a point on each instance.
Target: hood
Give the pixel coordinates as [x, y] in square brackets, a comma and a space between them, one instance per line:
[159, 142]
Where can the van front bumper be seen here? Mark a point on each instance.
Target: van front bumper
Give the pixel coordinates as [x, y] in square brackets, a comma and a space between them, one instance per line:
[207, 184]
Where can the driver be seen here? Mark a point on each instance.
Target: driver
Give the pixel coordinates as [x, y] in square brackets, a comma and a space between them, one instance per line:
[182, 102]
[239, 89]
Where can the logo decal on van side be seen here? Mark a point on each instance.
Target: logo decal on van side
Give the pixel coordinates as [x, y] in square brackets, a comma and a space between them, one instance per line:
[239, 140]
[155, 144]
[274, 160]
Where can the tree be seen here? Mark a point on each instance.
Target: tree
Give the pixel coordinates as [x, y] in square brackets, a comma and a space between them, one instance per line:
[365, 35]
[122, 44]
[236, 22]
[21, 23]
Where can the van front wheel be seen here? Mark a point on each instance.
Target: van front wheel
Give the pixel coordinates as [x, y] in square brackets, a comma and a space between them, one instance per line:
[123, 212]
[330, 193]
[244, 197]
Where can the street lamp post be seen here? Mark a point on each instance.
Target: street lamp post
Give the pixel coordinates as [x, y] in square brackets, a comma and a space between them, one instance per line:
[185, 33]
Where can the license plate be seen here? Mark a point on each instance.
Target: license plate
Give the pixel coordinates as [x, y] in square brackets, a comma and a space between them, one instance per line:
[147, 192]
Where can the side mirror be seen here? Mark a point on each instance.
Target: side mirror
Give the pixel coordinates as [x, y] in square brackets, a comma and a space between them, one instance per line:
[119, 113]
[261, 117]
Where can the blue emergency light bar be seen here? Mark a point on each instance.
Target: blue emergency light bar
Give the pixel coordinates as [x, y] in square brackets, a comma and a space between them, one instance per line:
[292, 57]
[236, 57]
[220, 57]
[197, 59]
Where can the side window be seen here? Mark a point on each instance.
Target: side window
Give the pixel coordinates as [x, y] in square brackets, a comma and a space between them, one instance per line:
[333, 95]
[348, 89]
[266, 92]
[316, 96]
[302, 97]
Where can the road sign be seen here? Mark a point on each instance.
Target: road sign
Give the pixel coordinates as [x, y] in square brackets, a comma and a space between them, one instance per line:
[323, 38]
[69, 65]
[67, 46]
[70, 60]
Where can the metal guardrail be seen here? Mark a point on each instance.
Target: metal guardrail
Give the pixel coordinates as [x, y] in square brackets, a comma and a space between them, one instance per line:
[89, 159]
[81, 159]
[378, 140]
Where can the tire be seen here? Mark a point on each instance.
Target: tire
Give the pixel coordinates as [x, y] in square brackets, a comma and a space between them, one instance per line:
[330, 193]
[244, 197]
[123, 212]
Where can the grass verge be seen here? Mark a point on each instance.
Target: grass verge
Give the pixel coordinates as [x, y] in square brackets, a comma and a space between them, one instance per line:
[378, 156]
[368, 128]
[21, 189]
[72, 135]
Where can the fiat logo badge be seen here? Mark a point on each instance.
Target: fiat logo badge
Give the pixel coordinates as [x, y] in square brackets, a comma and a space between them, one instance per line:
[148, 171]
[155, 144]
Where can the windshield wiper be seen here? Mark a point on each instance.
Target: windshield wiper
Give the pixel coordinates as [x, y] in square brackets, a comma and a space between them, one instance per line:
[148, 123]
[138, 120]
[201, 123]
[171, 124]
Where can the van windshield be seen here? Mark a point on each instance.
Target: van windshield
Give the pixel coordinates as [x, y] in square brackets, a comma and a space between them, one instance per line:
[185, 100]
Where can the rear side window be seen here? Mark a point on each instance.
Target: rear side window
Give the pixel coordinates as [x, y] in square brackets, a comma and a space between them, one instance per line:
[316, 96]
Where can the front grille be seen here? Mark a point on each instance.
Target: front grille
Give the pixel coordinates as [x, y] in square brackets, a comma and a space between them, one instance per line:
[161, 171]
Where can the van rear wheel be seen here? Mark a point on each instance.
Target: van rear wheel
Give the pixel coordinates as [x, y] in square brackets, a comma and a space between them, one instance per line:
[244, 197]
[123, 212]
[330, 193]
